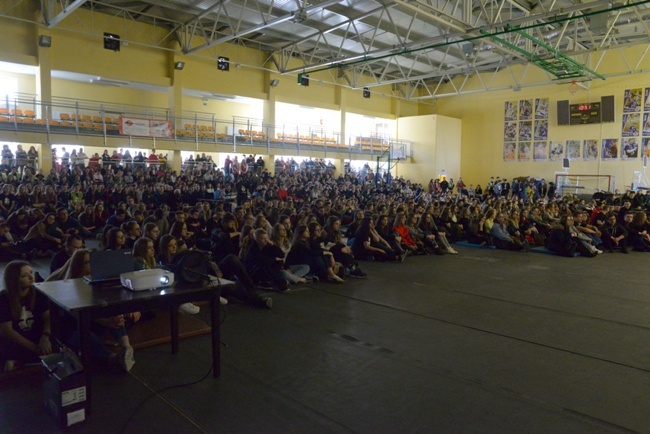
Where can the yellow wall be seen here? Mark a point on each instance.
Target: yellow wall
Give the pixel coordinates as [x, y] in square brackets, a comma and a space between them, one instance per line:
[483, 122]
[436, 147]
[19, 44]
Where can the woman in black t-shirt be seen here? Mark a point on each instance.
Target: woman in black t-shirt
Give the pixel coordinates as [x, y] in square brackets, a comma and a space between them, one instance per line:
[24, 317]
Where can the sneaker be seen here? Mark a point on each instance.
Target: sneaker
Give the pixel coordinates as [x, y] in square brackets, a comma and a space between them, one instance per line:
[126, 358]
[452, 251]
[10, 365]
[223, 301]
[358, 274]
[189, 309]
[283, 286]
[311, 279]
[335, 279]
[268, 302]
[402, 257]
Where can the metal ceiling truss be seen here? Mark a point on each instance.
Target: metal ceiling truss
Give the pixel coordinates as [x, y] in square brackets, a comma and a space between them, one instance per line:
[421, 48]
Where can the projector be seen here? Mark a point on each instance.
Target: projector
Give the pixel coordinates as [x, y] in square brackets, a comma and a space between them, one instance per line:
[147, 279]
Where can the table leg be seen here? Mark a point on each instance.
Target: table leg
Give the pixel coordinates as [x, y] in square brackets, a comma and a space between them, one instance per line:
[173, 321]
[86, 359]
[215, 322]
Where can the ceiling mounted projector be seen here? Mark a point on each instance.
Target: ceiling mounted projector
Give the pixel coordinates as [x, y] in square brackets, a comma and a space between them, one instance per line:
[147, 279]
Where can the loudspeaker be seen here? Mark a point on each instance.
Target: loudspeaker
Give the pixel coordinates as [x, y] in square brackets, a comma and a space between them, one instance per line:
[190, 266]
[366, 92]
[607, 112]
[565, 163]
[563, 114]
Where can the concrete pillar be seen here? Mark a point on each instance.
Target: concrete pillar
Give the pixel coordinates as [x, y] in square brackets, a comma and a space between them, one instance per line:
[269, 104]
[44, 75]
[175, 93]
[174, 161]
[45, 158]
[340, 167]
[269, 163]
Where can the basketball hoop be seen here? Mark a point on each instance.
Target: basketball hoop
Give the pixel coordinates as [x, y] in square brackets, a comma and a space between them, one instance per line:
[573, 87]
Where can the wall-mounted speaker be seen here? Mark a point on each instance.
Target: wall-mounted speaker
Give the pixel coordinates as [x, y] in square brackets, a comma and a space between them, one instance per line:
[645, 161]
[563, 114]
[565, 163]
[607, 112]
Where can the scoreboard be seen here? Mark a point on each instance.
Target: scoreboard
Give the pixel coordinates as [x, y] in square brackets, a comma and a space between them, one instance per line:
[584, 113]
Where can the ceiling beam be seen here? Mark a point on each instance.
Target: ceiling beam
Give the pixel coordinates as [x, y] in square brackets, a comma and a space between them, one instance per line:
[67, 9]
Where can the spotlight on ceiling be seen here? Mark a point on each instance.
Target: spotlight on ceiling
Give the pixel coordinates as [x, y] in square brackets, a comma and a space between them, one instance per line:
[179, 65]
[275, 82]
[45, 41]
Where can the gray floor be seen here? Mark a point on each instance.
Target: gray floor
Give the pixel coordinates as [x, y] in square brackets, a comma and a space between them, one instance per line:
[482, 342]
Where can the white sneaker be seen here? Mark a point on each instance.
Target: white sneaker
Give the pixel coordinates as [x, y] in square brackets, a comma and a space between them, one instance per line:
[126, 358]
[222, 301]
[10, 365]
[189, 309]
[452, 251]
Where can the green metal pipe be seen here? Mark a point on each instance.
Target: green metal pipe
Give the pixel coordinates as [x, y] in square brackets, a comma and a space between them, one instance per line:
[626, 5]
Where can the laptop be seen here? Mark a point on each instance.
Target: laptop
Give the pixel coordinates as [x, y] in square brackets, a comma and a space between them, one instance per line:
[107, 265]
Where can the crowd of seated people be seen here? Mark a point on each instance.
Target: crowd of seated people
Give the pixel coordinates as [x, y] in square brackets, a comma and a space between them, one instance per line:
[268, 232]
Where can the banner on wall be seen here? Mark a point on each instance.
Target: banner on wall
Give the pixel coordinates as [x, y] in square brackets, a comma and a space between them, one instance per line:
[145, 127]
[590, 150]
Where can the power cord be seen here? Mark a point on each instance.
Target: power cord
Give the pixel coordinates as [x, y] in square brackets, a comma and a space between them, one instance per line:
[157, 393]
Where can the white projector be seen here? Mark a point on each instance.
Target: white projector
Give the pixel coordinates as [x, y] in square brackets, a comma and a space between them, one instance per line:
[147, 279]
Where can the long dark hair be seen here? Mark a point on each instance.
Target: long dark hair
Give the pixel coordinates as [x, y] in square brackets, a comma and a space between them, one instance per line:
[12, 286]
[297, 236]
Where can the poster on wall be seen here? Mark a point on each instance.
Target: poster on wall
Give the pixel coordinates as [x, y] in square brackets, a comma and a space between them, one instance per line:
[526, 109]
[541, 108]
[509, 151]
[525, 130]
[510, 112]
[630, 148]
[631, 123]
[539, 151]
[646, 99]
[556, 151]
[646, 146]
[510, 132]
[609, 149]
[646, 124]
[632, 100]
[590, 151]
[524, 151]
[541, 129]
[573, 149]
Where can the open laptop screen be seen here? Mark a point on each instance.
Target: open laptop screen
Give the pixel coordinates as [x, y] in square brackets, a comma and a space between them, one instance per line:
[107, 265]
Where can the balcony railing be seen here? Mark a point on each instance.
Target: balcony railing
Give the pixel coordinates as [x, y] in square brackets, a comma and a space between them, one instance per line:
[90, 118]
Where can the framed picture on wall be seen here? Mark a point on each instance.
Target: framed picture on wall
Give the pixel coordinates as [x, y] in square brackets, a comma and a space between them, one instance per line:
[525, 151]
[510, 111]
[509, 151]
[540, 150]
[525, 130]
[630, 148]
[609, 149]
[510, 132]
[632, 100]
[526, 109]
[590, 150]
[646, 146]
[631, 123]
[556, 151]
[541, 129]
[541, 108]
[573, 149]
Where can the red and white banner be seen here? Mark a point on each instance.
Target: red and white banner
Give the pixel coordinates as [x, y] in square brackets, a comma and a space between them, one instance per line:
[145, 127]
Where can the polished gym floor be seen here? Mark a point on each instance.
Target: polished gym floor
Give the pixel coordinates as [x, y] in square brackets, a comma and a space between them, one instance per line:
[482, 342]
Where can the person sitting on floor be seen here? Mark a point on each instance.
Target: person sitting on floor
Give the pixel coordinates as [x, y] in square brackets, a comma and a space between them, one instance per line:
[320, 265]
[502, 239]
[614, 235]
[264, 262]
[144, 256]
[24, 318]
[77, 267]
